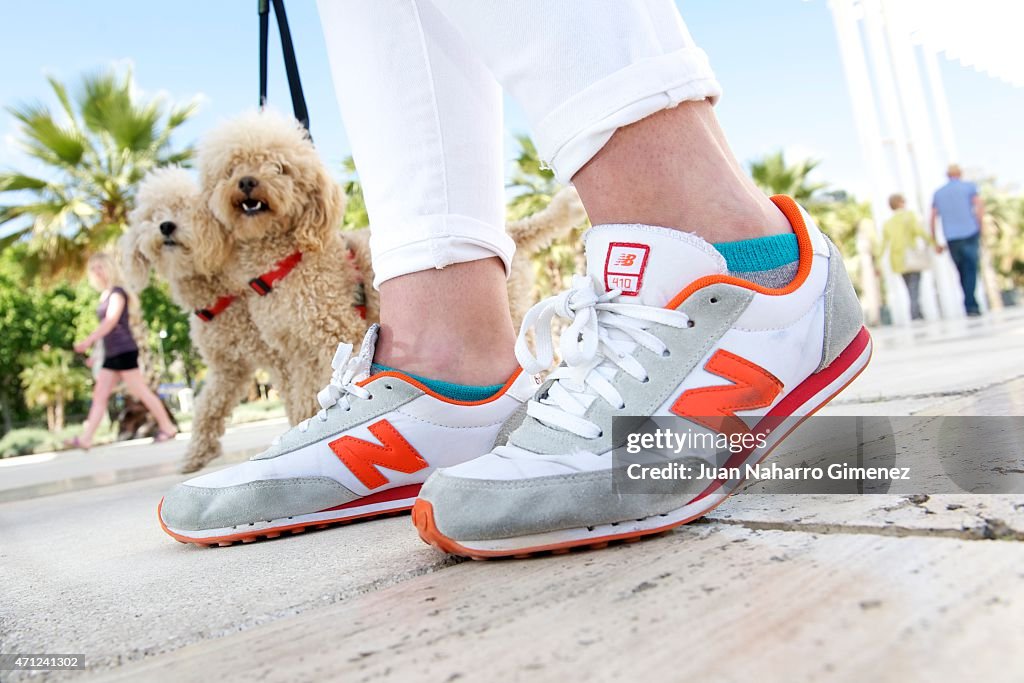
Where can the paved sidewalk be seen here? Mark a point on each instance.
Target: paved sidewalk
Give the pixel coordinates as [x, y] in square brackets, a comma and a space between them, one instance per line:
[43, 474]
[769, 587]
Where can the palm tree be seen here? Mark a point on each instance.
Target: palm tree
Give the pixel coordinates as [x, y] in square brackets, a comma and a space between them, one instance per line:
[773, 175]
[533, 185]
[106, 139]
[49, 380]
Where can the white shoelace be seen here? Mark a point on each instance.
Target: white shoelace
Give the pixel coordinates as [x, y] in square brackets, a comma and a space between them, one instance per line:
[599, 341]
[347, 372]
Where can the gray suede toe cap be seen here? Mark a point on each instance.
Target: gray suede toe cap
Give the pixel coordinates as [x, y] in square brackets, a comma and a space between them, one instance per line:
[487, 509]
[194, 508]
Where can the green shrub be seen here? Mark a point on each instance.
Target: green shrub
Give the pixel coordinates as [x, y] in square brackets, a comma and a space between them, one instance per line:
[26, 441]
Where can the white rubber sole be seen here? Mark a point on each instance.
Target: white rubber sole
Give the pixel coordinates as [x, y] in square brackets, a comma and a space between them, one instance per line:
[397, 500]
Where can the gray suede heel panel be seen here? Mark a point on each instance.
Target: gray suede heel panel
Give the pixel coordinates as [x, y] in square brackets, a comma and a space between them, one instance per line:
[385, 399]
[687, 347]
[191, 508]
[533, 506]
[843, 315]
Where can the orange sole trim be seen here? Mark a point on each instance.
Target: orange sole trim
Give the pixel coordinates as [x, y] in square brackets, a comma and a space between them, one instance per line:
[423, 514]
[265, 534]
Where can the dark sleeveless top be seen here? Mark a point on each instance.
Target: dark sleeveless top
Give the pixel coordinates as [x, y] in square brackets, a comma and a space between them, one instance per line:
[118, 340]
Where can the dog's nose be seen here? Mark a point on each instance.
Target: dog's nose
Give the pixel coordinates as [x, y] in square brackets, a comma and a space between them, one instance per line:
[167, 227]
[248, 184]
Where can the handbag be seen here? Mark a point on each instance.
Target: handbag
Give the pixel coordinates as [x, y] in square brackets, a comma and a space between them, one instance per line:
[916, 258]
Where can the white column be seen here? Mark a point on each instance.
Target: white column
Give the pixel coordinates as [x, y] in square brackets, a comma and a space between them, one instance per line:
[940, 103]
[862, 100]
[889, 99]
[924, 155]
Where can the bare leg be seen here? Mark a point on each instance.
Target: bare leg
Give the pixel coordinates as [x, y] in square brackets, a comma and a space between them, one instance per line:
[675, 169]
[105, 382]
[452, 324]
[136, 385]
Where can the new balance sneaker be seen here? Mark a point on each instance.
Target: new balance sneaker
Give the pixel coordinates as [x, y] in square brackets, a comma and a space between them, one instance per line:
[657, 328]
[365, 454]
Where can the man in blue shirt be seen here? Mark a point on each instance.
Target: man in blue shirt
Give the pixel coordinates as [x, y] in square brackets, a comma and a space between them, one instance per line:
[960, 207]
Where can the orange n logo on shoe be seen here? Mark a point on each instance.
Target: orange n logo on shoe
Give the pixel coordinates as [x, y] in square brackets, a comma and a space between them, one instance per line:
[715, 407]
[363, 457]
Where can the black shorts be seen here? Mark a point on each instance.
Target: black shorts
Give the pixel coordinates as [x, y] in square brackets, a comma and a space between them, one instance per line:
[129, 360]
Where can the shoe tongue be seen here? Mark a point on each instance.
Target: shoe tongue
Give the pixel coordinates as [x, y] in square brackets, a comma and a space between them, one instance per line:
[366, 351]
[649, 264]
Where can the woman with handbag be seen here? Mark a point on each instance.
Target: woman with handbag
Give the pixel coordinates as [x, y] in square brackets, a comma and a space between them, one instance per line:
[907, 257]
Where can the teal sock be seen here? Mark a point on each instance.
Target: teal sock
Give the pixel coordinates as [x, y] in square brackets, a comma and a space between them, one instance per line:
[458, 392]
[768, 261]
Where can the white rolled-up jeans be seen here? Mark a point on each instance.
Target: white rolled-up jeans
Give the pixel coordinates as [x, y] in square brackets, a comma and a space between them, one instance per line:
[419, 83]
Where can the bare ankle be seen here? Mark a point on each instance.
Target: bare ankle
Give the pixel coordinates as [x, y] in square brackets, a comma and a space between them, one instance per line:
[674, 169]
[452, 324]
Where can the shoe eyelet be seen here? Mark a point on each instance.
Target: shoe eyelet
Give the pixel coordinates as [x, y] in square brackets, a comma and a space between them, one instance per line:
[690, 323]
[713, 300]
[600, 434]
[665, 354]
[645, 380]
[388, 387]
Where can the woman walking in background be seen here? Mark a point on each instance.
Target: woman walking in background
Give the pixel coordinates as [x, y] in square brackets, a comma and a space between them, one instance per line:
[120, 353]
[900, 235]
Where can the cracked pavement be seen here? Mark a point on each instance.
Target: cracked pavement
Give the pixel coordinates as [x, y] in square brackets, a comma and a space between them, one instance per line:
[802, 586]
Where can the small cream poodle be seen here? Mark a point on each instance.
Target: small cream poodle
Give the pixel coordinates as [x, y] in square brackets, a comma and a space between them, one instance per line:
[277, 211]
[169, 233]
[261, 228]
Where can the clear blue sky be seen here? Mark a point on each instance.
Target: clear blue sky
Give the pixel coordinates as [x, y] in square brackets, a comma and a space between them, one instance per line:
[777, 61]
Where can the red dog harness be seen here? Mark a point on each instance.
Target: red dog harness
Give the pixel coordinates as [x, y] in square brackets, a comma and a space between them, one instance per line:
[208, 314]
[264, 284]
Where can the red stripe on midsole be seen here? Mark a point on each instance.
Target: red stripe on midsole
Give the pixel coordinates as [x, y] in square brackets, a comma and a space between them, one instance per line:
[397, 493]
[796, 398]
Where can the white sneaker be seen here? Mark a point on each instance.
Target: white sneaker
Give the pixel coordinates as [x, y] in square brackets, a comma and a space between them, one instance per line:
[658, 327]
[365, 454]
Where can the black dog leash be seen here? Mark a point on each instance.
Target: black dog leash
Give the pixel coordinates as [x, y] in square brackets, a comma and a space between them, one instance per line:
[291, 66]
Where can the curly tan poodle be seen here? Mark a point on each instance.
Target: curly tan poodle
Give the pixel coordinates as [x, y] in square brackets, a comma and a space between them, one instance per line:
[532, 235]
[169, 233]
[278, 212]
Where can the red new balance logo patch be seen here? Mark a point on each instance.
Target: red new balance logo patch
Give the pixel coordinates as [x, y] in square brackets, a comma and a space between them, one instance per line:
[364, 457]
[624, 267]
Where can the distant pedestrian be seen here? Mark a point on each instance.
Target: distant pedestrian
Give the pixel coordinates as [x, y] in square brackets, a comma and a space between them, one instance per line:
[962, 212]
[120, 353]
[900, 235]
